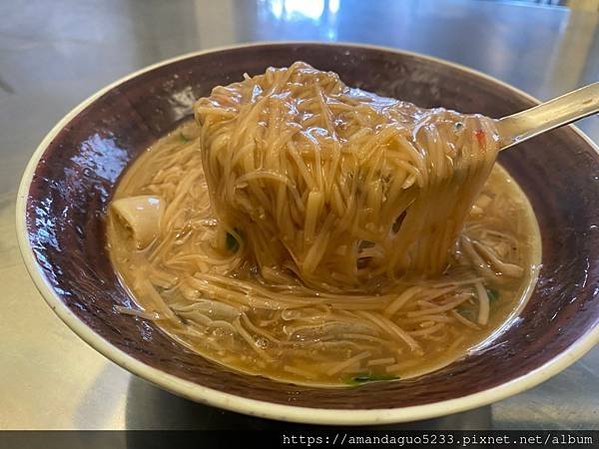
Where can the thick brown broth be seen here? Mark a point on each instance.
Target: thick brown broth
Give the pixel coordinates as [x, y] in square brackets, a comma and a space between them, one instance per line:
[215, 301]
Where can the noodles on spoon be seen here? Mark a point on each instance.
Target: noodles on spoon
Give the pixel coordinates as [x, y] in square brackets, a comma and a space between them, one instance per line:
[347, 185]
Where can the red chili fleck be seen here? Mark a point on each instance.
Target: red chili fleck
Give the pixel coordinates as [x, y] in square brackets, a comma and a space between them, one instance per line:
[480, 136]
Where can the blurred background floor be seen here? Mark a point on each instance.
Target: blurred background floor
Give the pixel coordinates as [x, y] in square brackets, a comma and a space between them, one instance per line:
[55, 54]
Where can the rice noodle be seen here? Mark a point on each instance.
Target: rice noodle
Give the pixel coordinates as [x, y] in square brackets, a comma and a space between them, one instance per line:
[251, 158]
[383, 361]
[484, 306]
[464, 320]
[348, 362]
[138, 313]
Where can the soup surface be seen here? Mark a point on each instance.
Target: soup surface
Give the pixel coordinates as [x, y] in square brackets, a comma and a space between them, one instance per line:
[317, 234]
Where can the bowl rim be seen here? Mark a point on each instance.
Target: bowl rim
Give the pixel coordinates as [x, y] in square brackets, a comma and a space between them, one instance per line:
[254, 407]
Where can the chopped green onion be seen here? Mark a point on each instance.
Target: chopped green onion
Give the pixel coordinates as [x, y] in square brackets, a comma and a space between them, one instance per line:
[364, 378]
[231, 243]
[492, 294]
[184, 138]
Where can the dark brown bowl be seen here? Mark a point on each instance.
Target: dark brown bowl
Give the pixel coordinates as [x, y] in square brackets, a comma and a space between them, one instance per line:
[72, 176]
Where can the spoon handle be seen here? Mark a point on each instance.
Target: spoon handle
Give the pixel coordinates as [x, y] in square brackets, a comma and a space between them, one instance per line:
[547, 116]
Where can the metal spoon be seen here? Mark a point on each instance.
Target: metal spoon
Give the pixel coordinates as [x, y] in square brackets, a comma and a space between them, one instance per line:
[558, 112]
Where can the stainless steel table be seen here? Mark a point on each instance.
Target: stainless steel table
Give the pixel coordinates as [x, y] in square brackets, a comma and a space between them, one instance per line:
[53, 54]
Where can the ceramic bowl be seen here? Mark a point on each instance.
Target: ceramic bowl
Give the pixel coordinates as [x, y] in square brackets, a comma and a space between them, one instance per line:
[71, 177]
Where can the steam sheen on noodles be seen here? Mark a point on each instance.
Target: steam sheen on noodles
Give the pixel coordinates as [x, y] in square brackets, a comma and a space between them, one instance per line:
[315, 233]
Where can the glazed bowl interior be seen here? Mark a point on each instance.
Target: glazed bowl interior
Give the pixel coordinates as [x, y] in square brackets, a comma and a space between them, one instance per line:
[70, 181]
